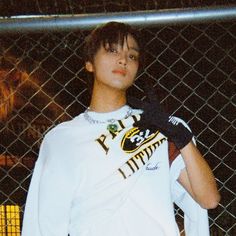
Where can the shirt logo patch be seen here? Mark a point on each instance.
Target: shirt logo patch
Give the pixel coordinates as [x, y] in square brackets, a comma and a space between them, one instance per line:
[135, 138]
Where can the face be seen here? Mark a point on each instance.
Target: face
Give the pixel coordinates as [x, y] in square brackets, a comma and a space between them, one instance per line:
[115, 67]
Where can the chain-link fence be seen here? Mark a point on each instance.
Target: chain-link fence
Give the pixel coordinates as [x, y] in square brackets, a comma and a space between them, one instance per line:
[192, 67]
[29, 7]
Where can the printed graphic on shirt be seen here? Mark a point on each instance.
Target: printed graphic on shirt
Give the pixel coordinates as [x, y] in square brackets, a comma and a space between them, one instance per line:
[141, 142]
[135, 138]
[105, 140]
[140, 159]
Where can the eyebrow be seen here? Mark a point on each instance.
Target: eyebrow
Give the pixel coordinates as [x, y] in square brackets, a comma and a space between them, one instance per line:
[132, 47]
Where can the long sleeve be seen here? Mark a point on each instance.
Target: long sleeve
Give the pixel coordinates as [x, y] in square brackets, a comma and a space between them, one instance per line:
[31, 219]
[51, 191]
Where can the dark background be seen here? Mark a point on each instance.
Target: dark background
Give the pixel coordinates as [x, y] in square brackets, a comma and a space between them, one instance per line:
[191, 67]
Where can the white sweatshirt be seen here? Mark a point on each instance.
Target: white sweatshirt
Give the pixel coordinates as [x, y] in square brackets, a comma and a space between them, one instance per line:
[89, 181]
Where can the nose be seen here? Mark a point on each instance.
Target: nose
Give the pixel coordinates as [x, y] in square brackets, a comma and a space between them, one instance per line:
[122, 60]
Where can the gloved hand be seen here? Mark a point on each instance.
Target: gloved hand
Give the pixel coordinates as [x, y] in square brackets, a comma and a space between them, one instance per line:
[153, 116]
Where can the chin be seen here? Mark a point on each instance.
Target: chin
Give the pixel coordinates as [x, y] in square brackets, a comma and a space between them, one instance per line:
[122, 86]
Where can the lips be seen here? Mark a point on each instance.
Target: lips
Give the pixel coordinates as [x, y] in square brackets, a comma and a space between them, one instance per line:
[121, 72]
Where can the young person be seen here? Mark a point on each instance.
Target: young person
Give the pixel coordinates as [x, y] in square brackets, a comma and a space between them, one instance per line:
[108, 171]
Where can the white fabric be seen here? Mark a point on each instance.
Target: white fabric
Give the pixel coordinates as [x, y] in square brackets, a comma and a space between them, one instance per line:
[90, 182]
[195, 218]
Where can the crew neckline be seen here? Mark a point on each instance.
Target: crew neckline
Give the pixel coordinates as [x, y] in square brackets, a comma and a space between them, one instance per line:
[116, 114]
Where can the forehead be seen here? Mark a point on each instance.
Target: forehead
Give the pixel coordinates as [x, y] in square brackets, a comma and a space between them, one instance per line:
[126, 41]
[131, 42]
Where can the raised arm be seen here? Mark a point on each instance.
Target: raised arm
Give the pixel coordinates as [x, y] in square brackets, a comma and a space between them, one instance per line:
[197, 178]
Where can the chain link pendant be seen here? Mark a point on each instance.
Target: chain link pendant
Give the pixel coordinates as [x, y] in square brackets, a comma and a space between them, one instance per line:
[112, 127]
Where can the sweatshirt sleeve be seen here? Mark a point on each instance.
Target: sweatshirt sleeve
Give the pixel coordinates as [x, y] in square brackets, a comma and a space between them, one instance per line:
[51, 191]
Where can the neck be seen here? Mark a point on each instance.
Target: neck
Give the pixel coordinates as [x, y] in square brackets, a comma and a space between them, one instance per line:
[107, 101]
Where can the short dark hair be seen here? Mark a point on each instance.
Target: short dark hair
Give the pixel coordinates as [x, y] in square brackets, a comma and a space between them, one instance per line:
[109, 33]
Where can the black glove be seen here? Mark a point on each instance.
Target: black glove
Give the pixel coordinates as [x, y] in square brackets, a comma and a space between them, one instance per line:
[154, 117]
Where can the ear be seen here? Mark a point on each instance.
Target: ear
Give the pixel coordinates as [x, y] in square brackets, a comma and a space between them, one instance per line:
[89, 66]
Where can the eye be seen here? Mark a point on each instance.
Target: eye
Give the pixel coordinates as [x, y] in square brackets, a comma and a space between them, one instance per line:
[112, 49]
[133, 57]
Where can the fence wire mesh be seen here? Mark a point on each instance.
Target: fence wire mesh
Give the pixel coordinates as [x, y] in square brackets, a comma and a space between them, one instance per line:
[11, 7]
[192, 68]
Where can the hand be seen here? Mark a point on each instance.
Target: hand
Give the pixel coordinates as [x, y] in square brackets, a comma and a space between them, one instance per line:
[154, 117]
